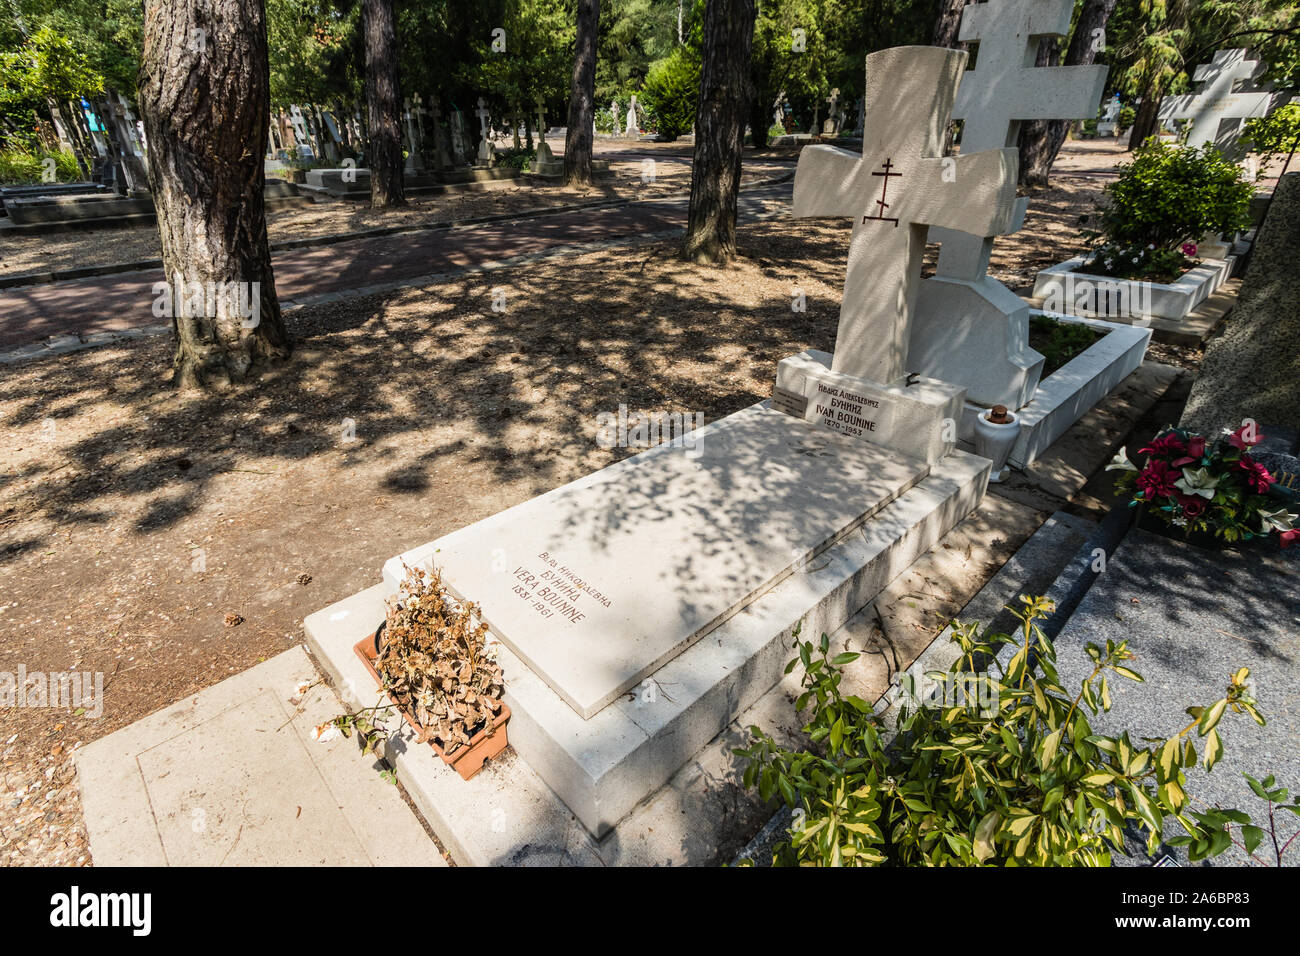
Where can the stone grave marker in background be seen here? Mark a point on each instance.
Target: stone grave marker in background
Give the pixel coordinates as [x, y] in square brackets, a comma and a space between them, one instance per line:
[972, 330]
[1218, 110]
[485, 154]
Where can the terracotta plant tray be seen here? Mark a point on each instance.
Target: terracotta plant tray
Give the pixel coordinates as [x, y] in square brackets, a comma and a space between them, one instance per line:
[467, 761]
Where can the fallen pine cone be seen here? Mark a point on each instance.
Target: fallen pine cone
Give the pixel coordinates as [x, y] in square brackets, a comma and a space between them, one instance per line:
[233, 620]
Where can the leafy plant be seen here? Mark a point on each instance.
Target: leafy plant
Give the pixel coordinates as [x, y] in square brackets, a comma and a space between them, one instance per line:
[1127, 115]
[516, 158]
[435, 665]
[1166, 197]
[1006, 769]
[1218, 823]
[1199, 485]
[1059, 341]
[19, 166]
[672, 91]
[1274, 134]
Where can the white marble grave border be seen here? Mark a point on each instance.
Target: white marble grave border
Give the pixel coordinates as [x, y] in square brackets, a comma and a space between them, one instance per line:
[605, 766]
[1174, 300]
[1066, 395]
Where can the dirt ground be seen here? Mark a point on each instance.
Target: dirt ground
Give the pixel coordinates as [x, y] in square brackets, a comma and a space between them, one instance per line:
[169, 541]
[671, 175]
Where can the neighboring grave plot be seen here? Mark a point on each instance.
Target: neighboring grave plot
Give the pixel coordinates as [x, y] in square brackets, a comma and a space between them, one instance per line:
[598, 584]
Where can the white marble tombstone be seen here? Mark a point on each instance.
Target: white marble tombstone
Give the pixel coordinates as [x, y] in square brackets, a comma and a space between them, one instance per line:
[971, 329]
[896, 190]
[1218, 110]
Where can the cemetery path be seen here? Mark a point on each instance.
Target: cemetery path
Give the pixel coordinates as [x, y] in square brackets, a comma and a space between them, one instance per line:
[124, 302]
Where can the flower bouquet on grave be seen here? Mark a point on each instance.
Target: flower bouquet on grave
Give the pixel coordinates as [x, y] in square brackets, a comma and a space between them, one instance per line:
[432, 659]
[1214, 491]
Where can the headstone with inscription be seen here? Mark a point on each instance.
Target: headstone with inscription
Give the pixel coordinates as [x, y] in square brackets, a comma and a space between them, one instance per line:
[896, 190]
[1219, 109]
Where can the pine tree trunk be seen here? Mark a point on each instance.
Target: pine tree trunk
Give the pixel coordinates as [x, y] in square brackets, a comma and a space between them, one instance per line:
[720, 131]
[760, 120]
[205, 104]
[948, 24]
[384, 104]
[582, 97]
[1041, 140]
[1147, 121]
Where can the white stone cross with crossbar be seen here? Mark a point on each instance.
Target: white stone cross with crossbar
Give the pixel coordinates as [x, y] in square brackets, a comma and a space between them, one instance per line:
[1006, 88]
[906, 186]
[1217, 101]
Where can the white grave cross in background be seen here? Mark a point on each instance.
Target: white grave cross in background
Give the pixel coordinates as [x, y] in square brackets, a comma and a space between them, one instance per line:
[483, 115]
[1005, 88]
[899, 187]
[1217, 102]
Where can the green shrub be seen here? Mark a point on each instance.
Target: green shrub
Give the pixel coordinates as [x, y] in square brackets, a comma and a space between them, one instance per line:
[1059, 341]
[1127, 115]
[1012, 775]
[672, 90]
[516, 158]
[1170, 195]
[19, 166]
[1271, 135]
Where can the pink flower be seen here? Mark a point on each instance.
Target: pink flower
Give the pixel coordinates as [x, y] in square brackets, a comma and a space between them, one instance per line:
[1257, 477]
[1166, 446]
[1157, 480]
[1245, 437]
[1189, 248]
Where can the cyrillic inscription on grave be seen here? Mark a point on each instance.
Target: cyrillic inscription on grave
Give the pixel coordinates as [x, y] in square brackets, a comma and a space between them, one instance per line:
[858, 416]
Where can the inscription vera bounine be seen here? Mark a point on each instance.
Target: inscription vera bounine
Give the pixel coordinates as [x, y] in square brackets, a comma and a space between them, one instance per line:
[555, 590]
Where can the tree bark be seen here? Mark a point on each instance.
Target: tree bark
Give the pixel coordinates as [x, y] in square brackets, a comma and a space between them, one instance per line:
[720, 131]
[1041, 140]
[384, 104]
[760, 120]
[582, 97]
[204, 98]
[1147, 121]
[948, 23]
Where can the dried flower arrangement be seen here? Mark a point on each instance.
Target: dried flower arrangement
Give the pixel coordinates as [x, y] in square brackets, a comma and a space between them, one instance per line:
[435, 664]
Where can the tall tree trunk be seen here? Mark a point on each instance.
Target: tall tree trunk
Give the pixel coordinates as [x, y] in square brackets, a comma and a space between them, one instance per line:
[1041, 140]
[760, 120]
[204, 98]
[948, 23]
[582, 97]
[384, 104]
[1147, 121]
[720, 131]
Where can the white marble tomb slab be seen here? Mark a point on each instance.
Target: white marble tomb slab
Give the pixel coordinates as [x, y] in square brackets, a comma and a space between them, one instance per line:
[597, 584]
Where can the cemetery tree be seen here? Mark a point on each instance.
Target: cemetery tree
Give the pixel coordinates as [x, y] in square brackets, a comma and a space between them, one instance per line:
[947, 23]
[720, 131]
[204, 99]
[1041, 140]
[582, 97]
[383, 105]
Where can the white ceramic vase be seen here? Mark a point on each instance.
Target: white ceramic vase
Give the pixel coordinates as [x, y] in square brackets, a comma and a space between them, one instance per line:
[994, 441]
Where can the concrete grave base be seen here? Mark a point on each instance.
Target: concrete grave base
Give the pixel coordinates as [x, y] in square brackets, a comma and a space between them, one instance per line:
[1066, 395]
[1062, 289]
[608, 769]
[912, 419]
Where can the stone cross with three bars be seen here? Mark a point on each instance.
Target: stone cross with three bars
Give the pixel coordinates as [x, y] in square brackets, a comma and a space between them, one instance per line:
[1006, 88]
[899, 187]
[1217, 100]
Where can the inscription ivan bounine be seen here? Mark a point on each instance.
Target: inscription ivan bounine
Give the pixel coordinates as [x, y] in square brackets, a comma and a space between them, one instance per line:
[854, 415]
[555, 590]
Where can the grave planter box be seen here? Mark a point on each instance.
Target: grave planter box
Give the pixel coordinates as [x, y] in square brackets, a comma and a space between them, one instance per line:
[1121, 300]
[467, 761]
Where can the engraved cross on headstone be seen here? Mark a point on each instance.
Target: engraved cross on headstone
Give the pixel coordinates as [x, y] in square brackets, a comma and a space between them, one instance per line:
[1005, 88]
[899, 187]
[1217, 100]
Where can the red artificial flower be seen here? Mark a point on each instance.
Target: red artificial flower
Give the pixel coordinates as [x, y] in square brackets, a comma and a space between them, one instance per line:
[1195, 451]
[1157, 480]
[1166, 446]
[1239, 440]
[1257, 477]
[1289, 536]
[1193, 505]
